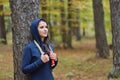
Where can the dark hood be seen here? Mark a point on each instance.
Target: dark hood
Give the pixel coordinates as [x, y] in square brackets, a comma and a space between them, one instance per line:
[34, 31]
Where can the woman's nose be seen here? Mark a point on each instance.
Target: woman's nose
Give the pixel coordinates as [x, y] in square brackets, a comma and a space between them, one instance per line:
[45, 29]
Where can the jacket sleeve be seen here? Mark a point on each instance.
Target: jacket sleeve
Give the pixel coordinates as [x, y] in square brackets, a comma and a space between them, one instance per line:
[27, 66]
[56, 62]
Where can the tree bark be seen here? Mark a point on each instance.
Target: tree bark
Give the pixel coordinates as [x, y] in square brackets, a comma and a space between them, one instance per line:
[23, 12]
[100, 34]
[115, 21]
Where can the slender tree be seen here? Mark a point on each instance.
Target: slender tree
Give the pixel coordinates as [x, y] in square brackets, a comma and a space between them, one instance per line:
[44, 9]
[115, 21]
[2, 28]
[23, 12]
[100, 34]
[49, 21]
[69, 34]
[63, 23]
[77, 23]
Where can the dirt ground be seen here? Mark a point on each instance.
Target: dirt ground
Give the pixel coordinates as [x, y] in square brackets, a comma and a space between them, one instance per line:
[79, 63]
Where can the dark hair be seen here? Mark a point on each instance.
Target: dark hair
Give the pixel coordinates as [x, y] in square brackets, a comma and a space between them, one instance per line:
[43, 20]
[46, 40]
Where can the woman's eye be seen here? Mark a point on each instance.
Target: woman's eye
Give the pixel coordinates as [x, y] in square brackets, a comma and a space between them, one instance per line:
[46, 26]
[41, 26]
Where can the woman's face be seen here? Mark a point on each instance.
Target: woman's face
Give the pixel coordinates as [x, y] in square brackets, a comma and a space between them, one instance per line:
[43, 29]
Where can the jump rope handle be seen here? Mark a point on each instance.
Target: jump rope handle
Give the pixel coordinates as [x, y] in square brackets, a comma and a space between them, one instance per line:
[52, 61]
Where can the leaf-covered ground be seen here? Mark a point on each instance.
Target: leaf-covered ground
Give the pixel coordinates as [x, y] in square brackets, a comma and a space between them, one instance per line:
[79, 63]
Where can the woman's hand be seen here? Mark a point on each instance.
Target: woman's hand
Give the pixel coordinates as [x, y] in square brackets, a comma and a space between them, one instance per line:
[45, 58]
[53, 56]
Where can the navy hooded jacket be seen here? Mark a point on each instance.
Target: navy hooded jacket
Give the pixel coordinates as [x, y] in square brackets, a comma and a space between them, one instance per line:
[31, 61]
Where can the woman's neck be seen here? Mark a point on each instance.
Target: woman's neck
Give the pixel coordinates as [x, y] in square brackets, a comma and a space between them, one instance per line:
[42, 39]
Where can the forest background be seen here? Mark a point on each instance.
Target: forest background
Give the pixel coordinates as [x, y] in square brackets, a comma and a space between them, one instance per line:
[78, 62]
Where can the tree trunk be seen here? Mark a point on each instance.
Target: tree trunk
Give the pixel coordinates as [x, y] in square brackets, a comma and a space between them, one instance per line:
[23, 12]
[78, 35]
[63, 24]
[84, 32]
[44, 8]
[49, 22]
[115, 20]
[100, 34]
[69, 34]
[2, 28]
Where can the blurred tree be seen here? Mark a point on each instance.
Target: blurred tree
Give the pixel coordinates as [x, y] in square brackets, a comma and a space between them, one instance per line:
[23, 12]
[7, 10]
[86, 17]
[44, 9]
[69, 34]
[115, 21]
[2, 28]
[100, 34]
[63, 23]
[77, 24]
[49, 21]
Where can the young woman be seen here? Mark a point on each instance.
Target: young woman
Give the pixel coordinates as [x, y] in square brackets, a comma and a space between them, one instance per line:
[38, 58]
